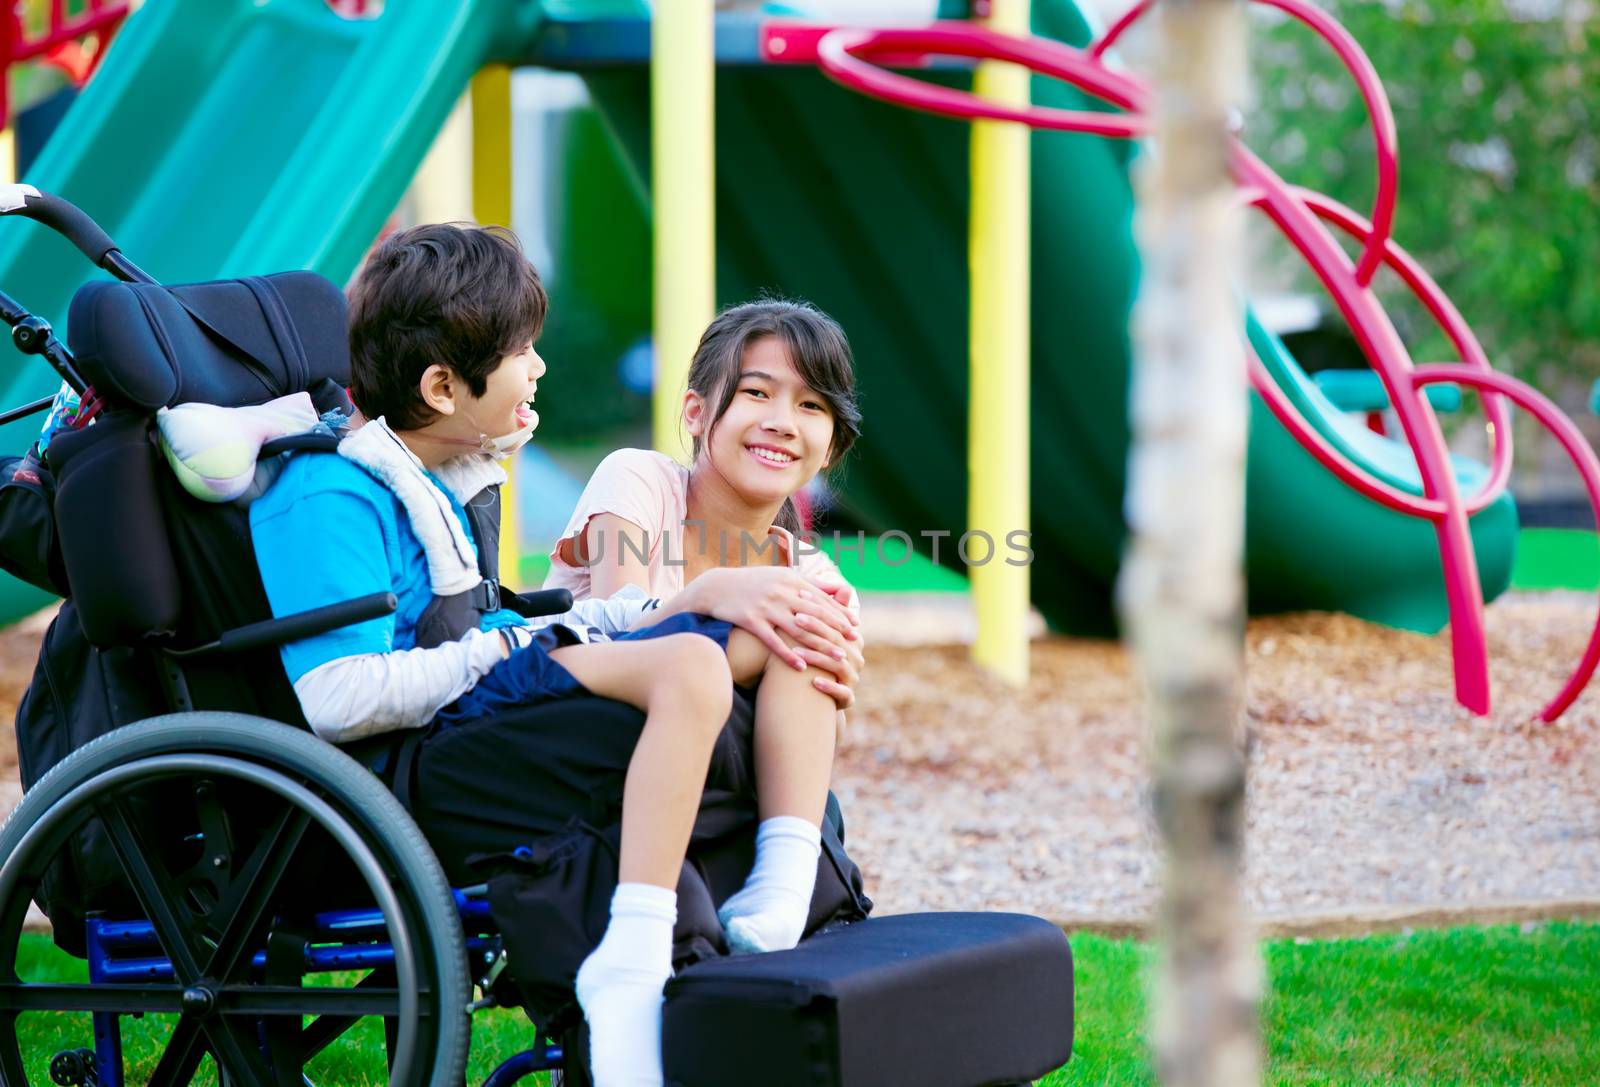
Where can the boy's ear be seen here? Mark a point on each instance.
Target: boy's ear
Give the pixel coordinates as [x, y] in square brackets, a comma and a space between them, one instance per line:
[437, 389]
[694, 413]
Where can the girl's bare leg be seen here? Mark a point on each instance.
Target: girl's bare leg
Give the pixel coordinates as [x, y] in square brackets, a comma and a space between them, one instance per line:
[794, 734]
[794, 741]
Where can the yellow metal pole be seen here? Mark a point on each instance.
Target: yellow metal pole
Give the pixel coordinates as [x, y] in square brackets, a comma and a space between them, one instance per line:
[442, 190]
[491, 206]
[683, 181]
[997, 451]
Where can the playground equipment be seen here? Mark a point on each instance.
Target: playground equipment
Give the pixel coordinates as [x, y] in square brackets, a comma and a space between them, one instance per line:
[846, 55]
[60, 42]
[319, 121]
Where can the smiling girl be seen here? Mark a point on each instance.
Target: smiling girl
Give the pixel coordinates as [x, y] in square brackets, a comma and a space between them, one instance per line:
[770, 403]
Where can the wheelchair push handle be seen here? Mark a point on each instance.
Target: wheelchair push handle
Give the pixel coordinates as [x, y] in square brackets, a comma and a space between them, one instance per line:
[538, 603]
[292, 628]
[72, 223]
[307, 624]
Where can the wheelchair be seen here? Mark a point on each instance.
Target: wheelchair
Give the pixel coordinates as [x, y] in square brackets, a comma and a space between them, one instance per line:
[222, 824]
[242, 893]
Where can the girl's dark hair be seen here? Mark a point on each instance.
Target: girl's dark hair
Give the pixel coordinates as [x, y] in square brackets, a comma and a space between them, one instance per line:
[457, 294]
[817, 349]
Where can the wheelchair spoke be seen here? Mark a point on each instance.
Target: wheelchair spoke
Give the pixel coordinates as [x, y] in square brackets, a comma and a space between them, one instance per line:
[326, 1029]
[160, 898]
[252, 893]
[234, 1047]
[259, 1000]
[181, 1057]
[65, 997]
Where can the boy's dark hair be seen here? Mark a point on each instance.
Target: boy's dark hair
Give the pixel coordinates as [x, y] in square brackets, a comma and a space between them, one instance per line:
[456, 294]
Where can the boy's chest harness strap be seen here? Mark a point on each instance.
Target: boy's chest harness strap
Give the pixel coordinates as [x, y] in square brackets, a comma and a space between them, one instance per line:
[447, 618]
[463, 577]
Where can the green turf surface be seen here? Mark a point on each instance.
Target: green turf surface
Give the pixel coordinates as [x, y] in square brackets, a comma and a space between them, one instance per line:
[869, 563]
[1547, 558]
[1471, 1006]
[1556, 558]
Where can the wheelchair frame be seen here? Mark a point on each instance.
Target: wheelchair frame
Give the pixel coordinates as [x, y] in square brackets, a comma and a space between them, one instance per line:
[235, 980]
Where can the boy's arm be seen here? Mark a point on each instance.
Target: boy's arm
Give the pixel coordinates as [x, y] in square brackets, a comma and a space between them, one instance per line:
[354, 697]
[326, 546]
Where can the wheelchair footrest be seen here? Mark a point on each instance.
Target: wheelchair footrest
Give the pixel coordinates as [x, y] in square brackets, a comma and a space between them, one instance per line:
[920, 1000]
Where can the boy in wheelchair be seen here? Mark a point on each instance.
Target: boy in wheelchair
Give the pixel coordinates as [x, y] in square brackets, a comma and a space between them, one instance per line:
[442, 324]
[160, 663]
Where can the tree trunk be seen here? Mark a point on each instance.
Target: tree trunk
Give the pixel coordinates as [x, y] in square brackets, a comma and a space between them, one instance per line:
[1182, 584]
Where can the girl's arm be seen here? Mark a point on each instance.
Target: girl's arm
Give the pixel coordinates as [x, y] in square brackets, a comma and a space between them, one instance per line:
[617, 551]
[767, 601]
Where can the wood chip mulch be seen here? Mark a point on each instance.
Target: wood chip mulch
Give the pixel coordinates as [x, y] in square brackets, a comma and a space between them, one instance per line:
[1370, 788]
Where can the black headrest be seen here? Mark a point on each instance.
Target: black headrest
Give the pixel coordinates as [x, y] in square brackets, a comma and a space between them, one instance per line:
[231, 342]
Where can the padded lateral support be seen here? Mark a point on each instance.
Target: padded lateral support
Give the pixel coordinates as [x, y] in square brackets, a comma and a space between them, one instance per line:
[917, 1000]
[114, 542]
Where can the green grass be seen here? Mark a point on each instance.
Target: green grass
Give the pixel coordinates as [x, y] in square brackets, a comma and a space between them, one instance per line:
[1556, 558]
[1460, 1006]
[886, 567]
[1472, 1005]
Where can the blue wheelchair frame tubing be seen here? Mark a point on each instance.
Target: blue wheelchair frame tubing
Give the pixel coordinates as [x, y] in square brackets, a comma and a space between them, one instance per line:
[117, 953]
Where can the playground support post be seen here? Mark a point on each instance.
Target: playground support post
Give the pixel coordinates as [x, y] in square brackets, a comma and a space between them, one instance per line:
[999, 347]
[1182, 587]
[491, 206]
[683, 187]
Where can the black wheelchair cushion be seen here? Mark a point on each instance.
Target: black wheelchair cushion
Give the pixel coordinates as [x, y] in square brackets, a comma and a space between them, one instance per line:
[230, 342]
[916, 1000]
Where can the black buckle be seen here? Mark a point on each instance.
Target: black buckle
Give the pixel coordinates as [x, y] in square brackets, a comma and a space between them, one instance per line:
[491, 594]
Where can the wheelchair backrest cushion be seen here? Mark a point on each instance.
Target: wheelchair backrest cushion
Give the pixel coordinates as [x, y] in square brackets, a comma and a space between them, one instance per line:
[230, 342]
[111, 522]
[147, 346]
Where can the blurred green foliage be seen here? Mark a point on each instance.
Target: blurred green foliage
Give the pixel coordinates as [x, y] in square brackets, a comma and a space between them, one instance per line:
[1496, 103]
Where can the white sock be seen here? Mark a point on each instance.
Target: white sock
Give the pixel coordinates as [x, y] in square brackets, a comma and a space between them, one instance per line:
[620, 983]
[769, 911]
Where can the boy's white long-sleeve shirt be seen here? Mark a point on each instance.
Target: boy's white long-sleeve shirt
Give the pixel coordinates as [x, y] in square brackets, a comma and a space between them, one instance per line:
[370, 693]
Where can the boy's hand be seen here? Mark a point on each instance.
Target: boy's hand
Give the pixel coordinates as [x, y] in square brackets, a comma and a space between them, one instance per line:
[768, 601]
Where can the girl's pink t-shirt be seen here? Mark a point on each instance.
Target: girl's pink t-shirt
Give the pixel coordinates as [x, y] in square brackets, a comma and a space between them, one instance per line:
[651, 490]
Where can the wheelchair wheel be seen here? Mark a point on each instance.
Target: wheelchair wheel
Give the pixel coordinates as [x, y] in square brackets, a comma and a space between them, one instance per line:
[280, 896]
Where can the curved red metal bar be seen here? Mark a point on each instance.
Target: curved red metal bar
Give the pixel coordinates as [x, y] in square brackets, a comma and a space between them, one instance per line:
[1583, 458]
[1385, 137]
[1098, 49]
[1450, 321]
[1381, 343]
[844, 56]
[1329, 456]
